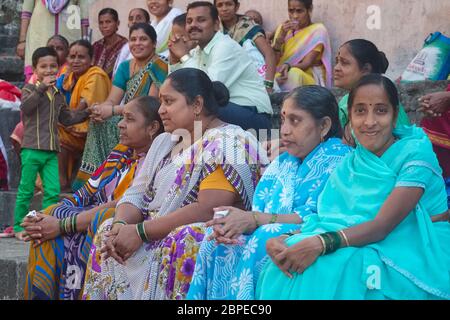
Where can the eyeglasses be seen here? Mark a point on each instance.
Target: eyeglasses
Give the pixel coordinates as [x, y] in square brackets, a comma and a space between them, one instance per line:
[292, 11]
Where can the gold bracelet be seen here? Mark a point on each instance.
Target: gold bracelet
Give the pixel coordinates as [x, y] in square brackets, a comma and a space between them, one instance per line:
[323, 245]
[344, 237]
[255, 216]
[274, 218]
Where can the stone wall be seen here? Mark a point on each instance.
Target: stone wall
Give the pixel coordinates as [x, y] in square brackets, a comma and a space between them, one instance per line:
[403, 24]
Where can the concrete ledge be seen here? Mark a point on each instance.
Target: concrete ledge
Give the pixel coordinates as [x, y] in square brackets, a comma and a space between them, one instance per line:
[13, 266]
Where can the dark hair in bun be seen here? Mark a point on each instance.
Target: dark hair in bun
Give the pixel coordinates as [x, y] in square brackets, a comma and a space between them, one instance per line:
[367, 53]
[191, 83]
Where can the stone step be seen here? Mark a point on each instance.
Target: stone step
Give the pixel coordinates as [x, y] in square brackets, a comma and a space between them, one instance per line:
[8, 41]
[13, 266]
[8, 203]
[11, 68]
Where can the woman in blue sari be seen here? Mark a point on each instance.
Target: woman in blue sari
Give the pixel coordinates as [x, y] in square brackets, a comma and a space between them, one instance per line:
[228, 267]
[382, 228]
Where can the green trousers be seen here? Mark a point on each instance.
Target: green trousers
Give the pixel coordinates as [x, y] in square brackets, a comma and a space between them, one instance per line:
[33, 162]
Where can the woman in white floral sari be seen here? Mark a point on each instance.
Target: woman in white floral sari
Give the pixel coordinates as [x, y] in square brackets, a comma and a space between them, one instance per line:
[229, 267]
[159, 222]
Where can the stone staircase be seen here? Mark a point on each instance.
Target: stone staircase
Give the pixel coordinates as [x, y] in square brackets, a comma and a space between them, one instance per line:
[13, 254]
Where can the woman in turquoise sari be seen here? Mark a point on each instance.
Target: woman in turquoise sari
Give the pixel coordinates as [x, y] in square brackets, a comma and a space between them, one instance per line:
[381, 231]
[356, 58]
[140, 76]
[287, 193]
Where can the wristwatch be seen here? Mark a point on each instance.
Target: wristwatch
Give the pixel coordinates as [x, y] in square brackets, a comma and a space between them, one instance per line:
[185, 58]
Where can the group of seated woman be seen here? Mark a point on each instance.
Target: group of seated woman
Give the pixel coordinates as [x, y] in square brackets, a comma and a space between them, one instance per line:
[321, 203]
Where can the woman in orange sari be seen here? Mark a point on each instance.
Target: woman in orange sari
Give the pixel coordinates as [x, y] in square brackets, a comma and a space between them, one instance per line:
[84, 85]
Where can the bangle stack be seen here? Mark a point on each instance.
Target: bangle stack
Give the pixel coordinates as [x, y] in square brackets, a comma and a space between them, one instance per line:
[68, 226]
[331, 241]
[140, 229]
[268, 84]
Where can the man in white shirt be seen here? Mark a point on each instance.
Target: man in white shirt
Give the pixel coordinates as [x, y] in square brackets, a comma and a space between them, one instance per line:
[226, 61]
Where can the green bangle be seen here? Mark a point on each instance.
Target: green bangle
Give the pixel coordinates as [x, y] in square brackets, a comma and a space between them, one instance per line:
[274, 218]
[333, 241]
[61, 227]
[120, 222]
[141, 232]
[268, 84]
[74, 224]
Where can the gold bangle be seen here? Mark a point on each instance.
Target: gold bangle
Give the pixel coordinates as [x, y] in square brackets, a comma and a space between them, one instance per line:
[344, 237]
[255, 216]
[274, 218]
[323, 245]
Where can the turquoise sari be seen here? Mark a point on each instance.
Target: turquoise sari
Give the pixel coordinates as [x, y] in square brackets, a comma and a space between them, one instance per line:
[289, 185]
[412, 262]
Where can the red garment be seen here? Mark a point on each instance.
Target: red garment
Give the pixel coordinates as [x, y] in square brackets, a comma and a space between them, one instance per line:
[438, 130]
[9, 94]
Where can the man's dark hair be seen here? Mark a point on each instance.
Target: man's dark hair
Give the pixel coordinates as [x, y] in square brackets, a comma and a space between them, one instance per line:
[212, 9]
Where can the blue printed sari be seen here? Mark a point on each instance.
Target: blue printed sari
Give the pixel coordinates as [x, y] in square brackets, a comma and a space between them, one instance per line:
[289, 185]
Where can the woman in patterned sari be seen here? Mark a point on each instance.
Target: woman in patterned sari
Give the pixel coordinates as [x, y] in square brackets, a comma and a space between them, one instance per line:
[199, 163]
[228, 267]
[303, 49]
[107, 49]
[57, 261]
[381, 230]
[83, 86]
[140, 76]
[250, 36]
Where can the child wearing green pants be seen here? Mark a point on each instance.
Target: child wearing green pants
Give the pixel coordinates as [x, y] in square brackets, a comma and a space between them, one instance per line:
[43, 106]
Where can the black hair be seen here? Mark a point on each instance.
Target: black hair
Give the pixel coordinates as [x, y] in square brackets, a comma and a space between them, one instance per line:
[60, 38]
[86, 44]
[307, 3]
[110, 11]
[145, 12]
[236, 2]
[191, 83]
[149, 106]
[319, 102]
[212, 9]
[148, 29]
[180, 20]
[43, 52]
[380, 80]
[365, 52]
